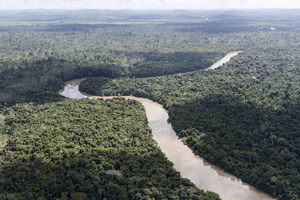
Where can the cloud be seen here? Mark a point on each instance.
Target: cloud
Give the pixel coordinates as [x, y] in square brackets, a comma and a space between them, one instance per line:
[146, 4]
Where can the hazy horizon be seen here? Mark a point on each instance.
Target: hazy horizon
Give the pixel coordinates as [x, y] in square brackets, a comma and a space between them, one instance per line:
[148, 4]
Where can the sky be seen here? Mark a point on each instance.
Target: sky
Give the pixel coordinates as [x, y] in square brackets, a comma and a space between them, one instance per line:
[147, 4]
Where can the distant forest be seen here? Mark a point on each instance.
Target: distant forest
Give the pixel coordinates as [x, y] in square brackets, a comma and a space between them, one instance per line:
[243, 116]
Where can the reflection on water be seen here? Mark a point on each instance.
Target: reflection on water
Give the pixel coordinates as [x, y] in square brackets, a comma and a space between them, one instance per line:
[224, 60]
[201, 173]
[71, 89]
[70, 92]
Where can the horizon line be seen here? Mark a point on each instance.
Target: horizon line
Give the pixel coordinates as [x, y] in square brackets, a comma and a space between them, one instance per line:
[152, 9]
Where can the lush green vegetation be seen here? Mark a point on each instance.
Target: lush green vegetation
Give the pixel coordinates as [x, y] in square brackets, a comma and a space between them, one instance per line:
[44, 49]
[44, 55]
[86, 149]
[243, 116]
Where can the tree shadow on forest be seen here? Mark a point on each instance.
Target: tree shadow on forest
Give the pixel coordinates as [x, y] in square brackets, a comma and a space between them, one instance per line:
[93, 174]
[41, 81]
[69, 177]
[156, 63]
[254, 142]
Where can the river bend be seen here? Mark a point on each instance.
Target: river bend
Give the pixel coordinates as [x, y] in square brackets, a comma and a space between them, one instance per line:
[201, 173]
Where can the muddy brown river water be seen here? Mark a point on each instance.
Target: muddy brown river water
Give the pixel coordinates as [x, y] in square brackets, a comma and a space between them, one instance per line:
[200, 172]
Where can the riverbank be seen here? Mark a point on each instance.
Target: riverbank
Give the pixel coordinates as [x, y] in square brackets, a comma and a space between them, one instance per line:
[200, 172]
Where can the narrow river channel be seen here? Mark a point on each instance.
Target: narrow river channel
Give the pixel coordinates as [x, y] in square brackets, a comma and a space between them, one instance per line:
[201, 173]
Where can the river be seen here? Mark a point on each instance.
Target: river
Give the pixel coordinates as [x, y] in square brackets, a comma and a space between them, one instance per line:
[223, 60]
[192, 167]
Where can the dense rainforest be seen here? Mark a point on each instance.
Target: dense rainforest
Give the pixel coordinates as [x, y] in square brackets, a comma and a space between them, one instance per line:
[86, 149]
[45, 55]
[244, 116]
